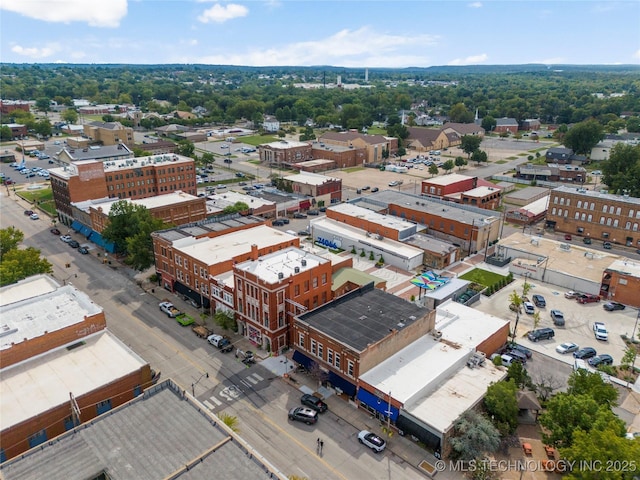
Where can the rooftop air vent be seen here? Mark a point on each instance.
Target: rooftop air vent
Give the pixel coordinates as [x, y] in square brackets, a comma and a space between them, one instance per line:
[280, 275]
[303, 262]
[296, 269]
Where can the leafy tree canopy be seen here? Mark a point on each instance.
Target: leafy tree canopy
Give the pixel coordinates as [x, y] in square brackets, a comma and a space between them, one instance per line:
[16, 263]
[583, 136]
[470, 143]
[460, 114]
[583, 382]
[186, 148]
[236, 208]
[622, 171]
[501, 403]
[10, 238]
[488, 123]
[474, 435]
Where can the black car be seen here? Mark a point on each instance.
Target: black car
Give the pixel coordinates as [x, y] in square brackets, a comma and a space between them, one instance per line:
[322, 209]
[277, 223]
[585, 353]
[83, 250]
[313, 212]
[55, 231]
[28, 212]
[284, 220]
[514, 346]
[539, 301]
[611, 306]
[606, 245]
[541, 334]
[303, 414]
[299, 215]
[314, 403]
[375, 189]
[73, 244]
[602, 359]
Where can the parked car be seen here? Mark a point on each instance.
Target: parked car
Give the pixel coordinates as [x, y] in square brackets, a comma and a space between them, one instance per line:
[371, 440]
[322, 209]
[541, 334]
[606, 245]
[587, 298]
[73, 244]
[567, 347]
[55, 231]
[66, 238]
[600, 331]
[28, 212]
[34, 216]
[585, 353]
[602, 359]
[611, 306]
[303, 414]
[395, 183]
[83, 250]
[567, 237]
[314, 403]
[375, 189]
[558, 318]
[571, 294]
[529, 308]
[299, 215]
[277, 223]
[586, 240]
[520, 348]
[313, 212]
[539, 301]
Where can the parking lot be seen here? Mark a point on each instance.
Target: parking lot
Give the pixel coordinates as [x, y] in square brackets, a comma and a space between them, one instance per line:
[579, 320]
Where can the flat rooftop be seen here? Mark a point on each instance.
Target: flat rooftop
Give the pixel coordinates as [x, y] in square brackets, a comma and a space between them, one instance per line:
[460, 213]
[155, 436]
[363, 317]
[448, 179]
[627, 267]
[285, 144]
[537, 206]
[47, 379]
[577, 259]
[309, 178]
[226, 199]
[228, 246]
[150, 203]
[209, 226]
[313, 163]
[480, 192]
[388, 221]
[95, 152]
[340, 229]
[429, 243]
[526, 193]
[287, 262]
[37, 305]
[582, 192]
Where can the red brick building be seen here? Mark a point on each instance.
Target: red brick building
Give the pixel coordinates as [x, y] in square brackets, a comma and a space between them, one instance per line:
[340, 155]
[374, 145]
[271, 289]
[621, 282]
[444, 185]
[135, 178]
[284, 153]
[8, 106]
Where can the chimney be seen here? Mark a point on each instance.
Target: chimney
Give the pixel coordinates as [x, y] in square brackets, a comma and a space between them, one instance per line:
[254, 252]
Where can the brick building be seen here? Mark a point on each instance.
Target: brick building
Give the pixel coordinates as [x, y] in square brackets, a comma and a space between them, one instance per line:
[76, 152]
[341, 156]
[426, 139]
[552, 172]
[372, 222]
[596, 215]
[271, 289]
[374, 145]
[482, 197]
[135, 178]
[319, 187]
[284, 153]
[444, 185]
[621, 282]
[17, 129]
[506, 125]
[109, 133]
[355, 332]
[177, 208]
[54, 336]
[8, 106]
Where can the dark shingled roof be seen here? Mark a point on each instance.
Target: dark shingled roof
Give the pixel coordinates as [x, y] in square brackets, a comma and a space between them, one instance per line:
[363, 316]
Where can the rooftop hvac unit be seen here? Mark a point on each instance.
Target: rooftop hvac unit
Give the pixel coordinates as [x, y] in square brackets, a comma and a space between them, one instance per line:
[436, 334]
[296, 269]
[280, 275]
[303, 262]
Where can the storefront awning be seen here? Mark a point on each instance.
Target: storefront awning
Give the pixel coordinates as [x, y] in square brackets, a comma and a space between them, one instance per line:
[337, 381]
[96, 238]
[302, 359]
[378, 404]
[76, 225]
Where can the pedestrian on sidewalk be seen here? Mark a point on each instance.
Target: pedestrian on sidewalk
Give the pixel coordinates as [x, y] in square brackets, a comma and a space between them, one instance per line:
[318, 445]
[321, 446]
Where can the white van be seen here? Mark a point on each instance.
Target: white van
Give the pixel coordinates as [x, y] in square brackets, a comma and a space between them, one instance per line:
[291, 232]
[507, 360]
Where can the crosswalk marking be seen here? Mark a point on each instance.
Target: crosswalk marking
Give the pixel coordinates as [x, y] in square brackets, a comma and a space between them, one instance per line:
[245, 383]
[257, 376]
[208, 405]
[252, 380]
[215, 400]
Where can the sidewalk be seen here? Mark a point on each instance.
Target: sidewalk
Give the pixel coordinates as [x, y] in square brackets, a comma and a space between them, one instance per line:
[403, 448]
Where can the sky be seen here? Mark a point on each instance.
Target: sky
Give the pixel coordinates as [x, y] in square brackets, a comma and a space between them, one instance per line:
[353, 34]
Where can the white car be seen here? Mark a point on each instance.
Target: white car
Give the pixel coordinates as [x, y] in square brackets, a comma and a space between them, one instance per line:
[34, 216]
[529, 308]
[66, 238]
[600, 331]
[567, 347]
[371, 440]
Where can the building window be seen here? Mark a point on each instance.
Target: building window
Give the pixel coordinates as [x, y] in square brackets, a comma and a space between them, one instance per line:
[553, 212]
[583, 217]
[562, 201]
[635, 227]
[579, 204]
[615, 222]
[306, 285]
[314, 283]
[37, 438]
[601, 220]
[280, 319]
[627, 226]
[577, 215]
[618, 211]
[608, 221]
[592, 206]
[321, 351]
[324, 279]
[103, 406]
[604, 209]
[296, 290]
[611, 209]
[329, 356]
[301, 339]
[337, 361]
[555, 200]
[313, 347]
[350, 368]
[589, 218]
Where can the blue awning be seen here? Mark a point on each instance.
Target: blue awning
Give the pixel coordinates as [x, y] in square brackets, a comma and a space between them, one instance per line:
[84, 230]
[301, 358]
[344, 385]
[76, 225]
[96, 238]
[377, 404]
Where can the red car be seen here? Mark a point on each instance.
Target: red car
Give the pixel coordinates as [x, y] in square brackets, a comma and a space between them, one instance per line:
[588, 298]
[567, 237]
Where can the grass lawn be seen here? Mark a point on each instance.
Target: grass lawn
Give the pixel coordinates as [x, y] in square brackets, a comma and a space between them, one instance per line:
[376, 131]
[256, 140]
[512, 158]
[500, 162]
[43, 198]
[354, 169]
[483, 277]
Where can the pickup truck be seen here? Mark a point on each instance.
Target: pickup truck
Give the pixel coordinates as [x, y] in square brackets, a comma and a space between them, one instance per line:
[223, 343]
[169, 309]
[600, 331]
[201, 331]
[185, 320]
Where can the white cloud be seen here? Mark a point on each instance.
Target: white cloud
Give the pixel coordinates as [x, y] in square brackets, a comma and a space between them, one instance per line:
[475, 5]
[364, 47]
[469, 60]
[637, 54]
[551, 61]
[35, 52]
[97, 13]
[220, 14]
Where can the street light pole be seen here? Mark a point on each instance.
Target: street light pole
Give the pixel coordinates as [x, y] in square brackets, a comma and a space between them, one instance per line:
[193, 385]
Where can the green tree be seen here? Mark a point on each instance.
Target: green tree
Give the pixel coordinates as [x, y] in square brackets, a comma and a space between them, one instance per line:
[473, 436]
[308, 134]
[622, 171]
[236, 208]
[479, 156]
[470, 143]
[583, 382]
[43, 127]
[488, 123]
[140, 245]
[519, 375]
[633, 124]
[5, 133]
[230, 421]
[583, 136]
[460, 162]
[108, 118]
[128, 226]
[433, 169]
[628, 359]
[186, 148]
[10, 238]
[602, 446]
[567, 413]
[20, 263]
[448, 165]
[460, 114]
[207, 158]
[69, 115]
[43, 104]
[225, 319]
[501, 403]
